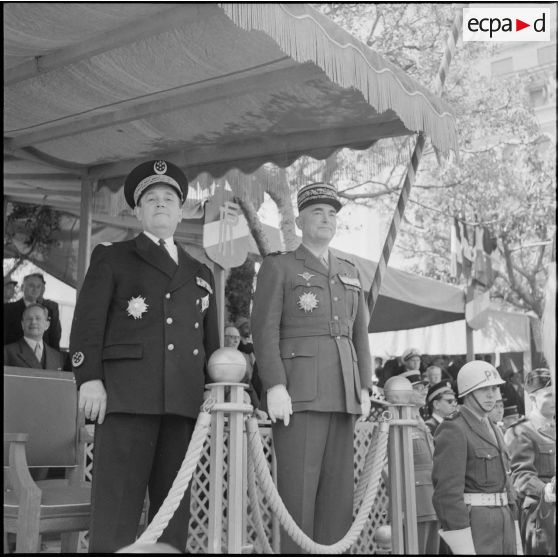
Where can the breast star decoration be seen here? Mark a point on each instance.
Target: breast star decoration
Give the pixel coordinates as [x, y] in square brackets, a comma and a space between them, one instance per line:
[137, 307]
[307, 302]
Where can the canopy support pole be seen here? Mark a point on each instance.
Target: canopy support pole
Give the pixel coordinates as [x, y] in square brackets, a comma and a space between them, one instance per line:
[85, 222]
[412, 169]
[469, 342]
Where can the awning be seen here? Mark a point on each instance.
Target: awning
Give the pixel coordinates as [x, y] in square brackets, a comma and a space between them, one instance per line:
[94, 88]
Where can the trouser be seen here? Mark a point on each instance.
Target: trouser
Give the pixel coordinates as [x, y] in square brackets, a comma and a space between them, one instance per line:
[493, 530]
[428, 538]
[133, 454]
[315, 474]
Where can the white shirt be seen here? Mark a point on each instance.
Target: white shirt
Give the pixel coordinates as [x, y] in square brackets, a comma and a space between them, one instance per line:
[169, 245]
[32, 343]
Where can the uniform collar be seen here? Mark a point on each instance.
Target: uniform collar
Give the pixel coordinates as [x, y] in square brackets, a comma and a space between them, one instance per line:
[168, 241]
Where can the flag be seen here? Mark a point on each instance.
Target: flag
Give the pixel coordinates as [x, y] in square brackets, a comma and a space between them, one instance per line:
[456, 260]
[467, 251]
[482, 269]
[477, 304]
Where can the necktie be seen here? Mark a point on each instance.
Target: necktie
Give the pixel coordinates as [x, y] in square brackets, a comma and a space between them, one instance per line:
[163, 245]
[38, 352]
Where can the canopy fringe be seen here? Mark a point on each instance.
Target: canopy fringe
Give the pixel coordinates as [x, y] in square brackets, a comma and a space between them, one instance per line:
[299, 33]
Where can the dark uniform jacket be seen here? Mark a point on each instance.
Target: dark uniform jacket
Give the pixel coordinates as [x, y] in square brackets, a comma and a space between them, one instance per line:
[466, 459]
[432, 423]
[154, 363]
[532, 450]
[310, 331]
[13, 311]
[21, 354]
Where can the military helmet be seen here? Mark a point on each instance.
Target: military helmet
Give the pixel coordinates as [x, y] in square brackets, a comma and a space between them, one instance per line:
[477, 374]
[537, 379]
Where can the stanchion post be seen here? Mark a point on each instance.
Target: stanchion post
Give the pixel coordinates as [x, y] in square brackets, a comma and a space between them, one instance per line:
[215, 528]
[408, 479]
[395, 486]
[236, 479]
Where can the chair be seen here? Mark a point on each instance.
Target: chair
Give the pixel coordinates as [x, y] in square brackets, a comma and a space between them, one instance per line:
[42, 428]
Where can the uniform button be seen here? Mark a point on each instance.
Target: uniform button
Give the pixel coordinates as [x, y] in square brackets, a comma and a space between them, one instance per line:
[335, 299]
[167, 296]
[332, 281]
[338, 337]
[195, 351]
[169, 321]
[292, 354]
[170, 347]
[308, 285]
[196, 325]
[335, 317]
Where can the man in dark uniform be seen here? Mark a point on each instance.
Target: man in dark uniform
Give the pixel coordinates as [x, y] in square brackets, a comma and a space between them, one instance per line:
[532, 447]
[33, 290]
[310, 330]
[473, 496]
[441, 402]
[144, 327]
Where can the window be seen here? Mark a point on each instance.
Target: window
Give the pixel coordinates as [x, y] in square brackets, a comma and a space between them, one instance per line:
[537, 96]
[504, 66]
[546, 54]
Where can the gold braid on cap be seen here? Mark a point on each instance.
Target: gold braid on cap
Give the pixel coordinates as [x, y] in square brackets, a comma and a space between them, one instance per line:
[155, 179]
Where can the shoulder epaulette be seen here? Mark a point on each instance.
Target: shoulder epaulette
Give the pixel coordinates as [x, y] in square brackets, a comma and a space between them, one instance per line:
[106, 243]
[518, 422]
[349, 261]
[278, 253]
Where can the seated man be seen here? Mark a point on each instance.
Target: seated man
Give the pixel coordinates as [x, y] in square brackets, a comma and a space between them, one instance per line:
[31, 351]
[433, 375]
[33, 290]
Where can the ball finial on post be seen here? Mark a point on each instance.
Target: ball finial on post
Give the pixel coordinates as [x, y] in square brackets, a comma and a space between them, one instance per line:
[398, 390]
[227, 365]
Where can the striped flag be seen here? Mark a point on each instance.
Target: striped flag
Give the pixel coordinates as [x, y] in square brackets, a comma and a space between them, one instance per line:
[467, 251]
[456, 260]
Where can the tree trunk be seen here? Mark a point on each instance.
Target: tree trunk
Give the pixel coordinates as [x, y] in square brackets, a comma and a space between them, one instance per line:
[255, 225]
[283, 201]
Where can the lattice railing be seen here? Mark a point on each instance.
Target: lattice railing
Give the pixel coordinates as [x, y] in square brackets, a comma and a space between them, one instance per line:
[198, 527]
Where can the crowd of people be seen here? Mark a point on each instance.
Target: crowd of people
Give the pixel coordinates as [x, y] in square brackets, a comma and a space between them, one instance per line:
[140, 363]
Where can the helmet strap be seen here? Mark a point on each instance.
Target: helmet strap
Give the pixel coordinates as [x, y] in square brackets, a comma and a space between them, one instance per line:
[478, 403]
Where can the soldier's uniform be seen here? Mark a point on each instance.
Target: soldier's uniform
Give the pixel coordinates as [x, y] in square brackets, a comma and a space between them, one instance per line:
[310, 330]
[469, 462]
[532, 447]
[145, 326]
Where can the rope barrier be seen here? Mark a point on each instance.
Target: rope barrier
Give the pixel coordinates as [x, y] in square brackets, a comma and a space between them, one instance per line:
[278, 507]
[360, 489]
[181, 482]
[256, 512]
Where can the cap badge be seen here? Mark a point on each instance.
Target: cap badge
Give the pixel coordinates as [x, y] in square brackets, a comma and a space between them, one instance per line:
[160, 167]
[307, 302]
[78, 359]
[137, 307]
[306, 276]
[204, 303]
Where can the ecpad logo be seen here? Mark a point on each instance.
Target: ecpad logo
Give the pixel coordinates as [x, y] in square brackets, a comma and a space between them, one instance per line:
[506, 24]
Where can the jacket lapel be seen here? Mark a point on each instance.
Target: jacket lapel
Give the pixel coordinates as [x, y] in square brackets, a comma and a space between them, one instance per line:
[27, 355]
[153, 255]
[310, 261]
[477, 427]
[52, 362]
[187, 268]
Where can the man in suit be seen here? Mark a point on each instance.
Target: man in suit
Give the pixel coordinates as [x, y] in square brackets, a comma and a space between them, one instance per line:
[532, 446]
[31, 351]
[33, 290]
[9, 289]
[144, 327]
[473, 496]
[310, 330]
[441, 402]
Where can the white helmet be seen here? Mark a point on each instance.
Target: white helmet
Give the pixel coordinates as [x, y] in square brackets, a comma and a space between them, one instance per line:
[477, 374]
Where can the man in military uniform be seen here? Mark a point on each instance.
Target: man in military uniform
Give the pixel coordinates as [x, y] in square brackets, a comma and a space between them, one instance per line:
[441, 402]
[310, 330]
[473, 496]
[532, 447]
[144, 327]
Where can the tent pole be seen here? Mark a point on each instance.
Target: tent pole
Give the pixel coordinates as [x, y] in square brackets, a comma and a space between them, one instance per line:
[220, 280]
[85, 221]
[469, 343]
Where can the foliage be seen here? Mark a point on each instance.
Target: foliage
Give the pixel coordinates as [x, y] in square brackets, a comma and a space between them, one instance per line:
[30, 231]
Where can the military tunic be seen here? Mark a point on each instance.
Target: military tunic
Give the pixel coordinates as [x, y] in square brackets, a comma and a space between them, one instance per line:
[310, 331]
[532, 448]
[468, 460]
[145, 327]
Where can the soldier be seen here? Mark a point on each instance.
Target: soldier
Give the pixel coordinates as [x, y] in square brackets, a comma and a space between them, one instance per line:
[441, 402]
[532, 447]
[472, 490]
[310, 330]
[144, 327]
